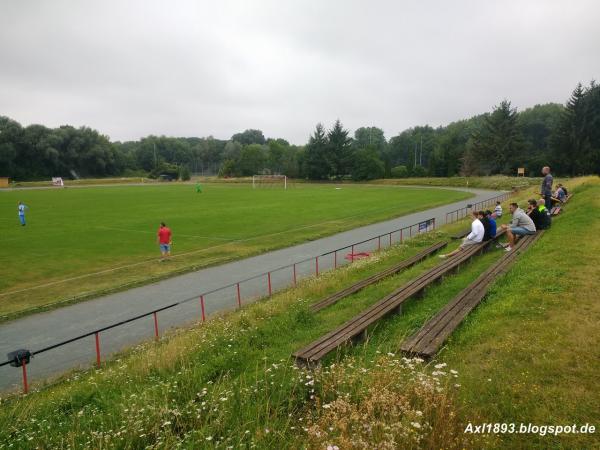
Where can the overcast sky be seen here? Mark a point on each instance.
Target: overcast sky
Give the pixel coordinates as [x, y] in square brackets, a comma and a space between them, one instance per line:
[199, 68]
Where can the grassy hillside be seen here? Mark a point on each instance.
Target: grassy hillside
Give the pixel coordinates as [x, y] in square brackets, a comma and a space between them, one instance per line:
[530, 353]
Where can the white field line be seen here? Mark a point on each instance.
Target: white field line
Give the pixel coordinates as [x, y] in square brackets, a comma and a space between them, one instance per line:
[216, 238]
[114, 269]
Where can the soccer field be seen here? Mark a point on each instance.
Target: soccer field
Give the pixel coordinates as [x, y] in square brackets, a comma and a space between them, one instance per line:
[83, 241]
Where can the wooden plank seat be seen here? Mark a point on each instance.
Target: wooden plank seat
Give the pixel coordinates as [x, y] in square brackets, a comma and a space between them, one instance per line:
[357, 326]
[336, 297]
[428, 340]
[461, 234]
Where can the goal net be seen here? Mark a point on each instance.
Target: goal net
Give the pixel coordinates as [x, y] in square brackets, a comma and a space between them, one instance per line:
[267, 181]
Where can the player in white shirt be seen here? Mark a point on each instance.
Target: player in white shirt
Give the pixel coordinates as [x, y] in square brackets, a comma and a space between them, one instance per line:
[22, 209]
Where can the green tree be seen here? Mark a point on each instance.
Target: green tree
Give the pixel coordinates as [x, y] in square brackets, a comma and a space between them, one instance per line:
[227, 169]
[367, 165]
[371, 137]
[538, 125]
[249, 137]
[339, 152]
[399, 172]
[576, 143]
[499, 145]
[314, 161]
[252, 160]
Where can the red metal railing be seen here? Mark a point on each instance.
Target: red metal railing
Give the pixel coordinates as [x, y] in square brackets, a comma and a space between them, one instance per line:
[457, 214]
[421, 227]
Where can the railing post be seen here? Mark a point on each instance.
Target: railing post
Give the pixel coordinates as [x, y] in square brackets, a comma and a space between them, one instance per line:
[202, 308]
[352, 251]
[239, 297]
[97, 349]
[378, 242]
[155, 326]
[335, 259]
[401, 237]
[410, 231]
[317, 266]
[390, 238]
[295, 274]
[25, 385]
[269, 281]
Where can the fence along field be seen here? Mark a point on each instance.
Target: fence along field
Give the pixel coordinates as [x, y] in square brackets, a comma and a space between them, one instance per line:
[82, 242]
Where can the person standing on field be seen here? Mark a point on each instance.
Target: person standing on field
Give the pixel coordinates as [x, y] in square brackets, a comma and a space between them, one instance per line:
[164, 241]
[22, 209]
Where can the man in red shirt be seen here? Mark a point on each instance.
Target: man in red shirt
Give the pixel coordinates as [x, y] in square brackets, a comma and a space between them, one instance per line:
[164, 241]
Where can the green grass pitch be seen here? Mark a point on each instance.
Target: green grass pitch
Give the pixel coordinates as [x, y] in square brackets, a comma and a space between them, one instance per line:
[74, 232]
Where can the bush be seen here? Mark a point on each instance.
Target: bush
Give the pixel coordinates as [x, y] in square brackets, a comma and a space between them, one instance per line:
[399, 172]
[227, 169]
[184, 173]
[419, 171]
[171, 170]
[367, 166]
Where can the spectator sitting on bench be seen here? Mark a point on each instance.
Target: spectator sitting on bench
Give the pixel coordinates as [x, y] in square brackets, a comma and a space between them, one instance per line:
[493, 226]
[520, 225]
[475, 236]
[542, 207]
[560, 194]
[497, 211]
[538, 213]
[487, 229]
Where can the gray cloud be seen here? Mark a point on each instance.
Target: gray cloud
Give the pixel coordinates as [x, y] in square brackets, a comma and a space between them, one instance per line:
[191, 68]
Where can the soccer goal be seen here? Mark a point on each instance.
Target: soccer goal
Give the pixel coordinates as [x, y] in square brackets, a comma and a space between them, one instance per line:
[262, 181]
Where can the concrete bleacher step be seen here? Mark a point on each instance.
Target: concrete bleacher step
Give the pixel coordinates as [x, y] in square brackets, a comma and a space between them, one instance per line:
[428, 340]
[336, 297]
[357, 326]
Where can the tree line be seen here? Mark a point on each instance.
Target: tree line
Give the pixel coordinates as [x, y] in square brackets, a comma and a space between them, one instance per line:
[498, 142]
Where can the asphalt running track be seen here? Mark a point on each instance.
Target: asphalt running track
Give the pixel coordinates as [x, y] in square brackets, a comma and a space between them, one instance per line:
[37, 331]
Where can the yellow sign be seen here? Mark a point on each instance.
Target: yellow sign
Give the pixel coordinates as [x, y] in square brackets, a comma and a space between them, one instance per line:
[3, 182]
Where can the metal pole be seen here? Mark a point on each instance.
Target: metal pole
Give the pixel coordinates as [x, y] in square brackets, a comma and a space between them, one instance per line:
[97, 350]
[269, 279]
[155, 326]
[295, 274]
[25, 385]
[202, 307]
[239, 297]
[317, 266]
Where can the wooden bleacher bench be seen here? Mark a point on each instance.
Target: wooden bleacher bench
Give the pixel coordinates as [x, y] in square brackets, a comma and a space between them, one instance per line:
[461, 234]
[357, 326]
[334, 298]
[428, 340]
